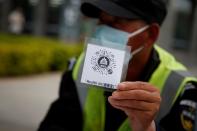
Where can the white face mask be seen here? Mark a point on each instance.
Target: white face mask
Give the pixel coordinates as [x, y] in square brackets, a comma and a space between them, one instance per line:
[109, 35]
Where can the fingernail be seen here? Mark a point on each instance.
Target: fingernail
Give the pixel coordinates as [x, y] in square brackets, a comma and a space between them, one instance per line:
[114, 94]
[109, 98]
[120, 85]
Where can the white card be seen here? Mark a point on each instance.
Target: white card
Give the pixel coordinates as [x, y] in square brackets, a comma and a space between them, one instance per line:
[102, 66]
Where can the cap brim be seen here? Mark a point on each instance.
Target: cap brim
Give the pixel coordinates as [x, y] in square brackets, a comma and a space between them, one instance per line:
[93, 8]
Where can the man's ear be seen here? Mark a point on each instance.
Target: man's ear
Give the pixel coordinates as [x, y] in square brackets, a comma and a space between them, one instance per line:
[153, 34]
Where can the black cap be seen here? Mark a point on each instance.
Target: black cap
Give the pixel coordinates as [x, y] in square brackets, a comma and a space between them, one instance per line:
[148, 10]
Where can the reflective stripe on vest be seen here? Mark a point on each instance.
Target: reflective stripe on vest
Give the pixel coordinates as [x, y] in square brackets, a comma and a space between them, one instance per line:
[172, 88]
[168, 75]
[82, 91]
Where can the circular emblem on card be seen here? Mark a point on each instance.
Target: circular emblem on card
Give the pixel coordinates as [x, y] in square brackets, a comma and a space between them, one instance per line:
[103, 62]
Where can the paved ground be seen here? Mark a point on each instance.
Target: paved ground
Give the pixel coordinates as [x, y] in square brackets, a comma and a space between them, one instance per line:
[24, 101]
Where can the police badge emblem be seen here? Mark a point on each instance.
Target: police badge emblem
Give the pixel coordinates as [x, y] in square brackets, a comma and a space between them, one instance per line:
[103, 62]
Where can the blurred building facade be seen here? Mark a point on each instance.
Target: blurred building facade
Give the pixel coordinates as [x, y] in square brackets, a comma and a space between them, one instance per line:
[179, 31]
[35, 12]
[44, 17]
[179, 27]
[61, 18]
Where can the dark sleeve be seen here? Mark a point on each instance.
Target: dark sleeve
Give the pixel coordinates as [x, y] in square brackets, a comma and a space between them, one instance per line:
[65, 113]
[183, 113]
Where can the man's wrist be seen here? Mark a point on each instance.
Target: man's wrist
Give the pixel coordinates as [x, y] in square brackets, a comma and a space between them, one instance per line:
[152, 127]
[137, 127]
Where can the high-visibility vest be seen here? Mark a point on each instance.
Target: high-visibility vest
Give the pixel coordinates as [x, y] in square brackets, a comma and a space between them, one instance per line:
[169, 77]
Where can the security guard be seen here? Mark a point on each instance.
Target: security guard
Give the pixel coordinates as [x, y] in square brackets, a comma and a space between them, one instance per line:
[158, 93]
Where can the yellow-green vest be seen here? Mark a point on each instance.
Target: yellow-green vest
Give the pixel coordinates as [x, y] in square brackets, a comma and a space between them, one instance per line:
[169, 77]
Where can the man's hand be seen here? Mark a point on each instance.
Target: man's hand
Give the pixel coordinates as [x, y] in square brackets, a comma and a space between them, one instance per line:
[140, 101]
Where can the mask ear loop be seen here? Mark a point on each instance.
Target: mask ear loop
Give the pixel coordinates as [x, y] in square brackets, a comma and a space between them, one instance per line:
[138, 31]
[137, 50]
[134, 34]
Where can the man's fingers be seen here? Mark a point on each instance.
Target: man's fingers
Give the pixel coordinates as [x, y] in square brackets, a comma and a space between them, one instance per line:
[139, 95]
[136, 85]
[134, 104]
